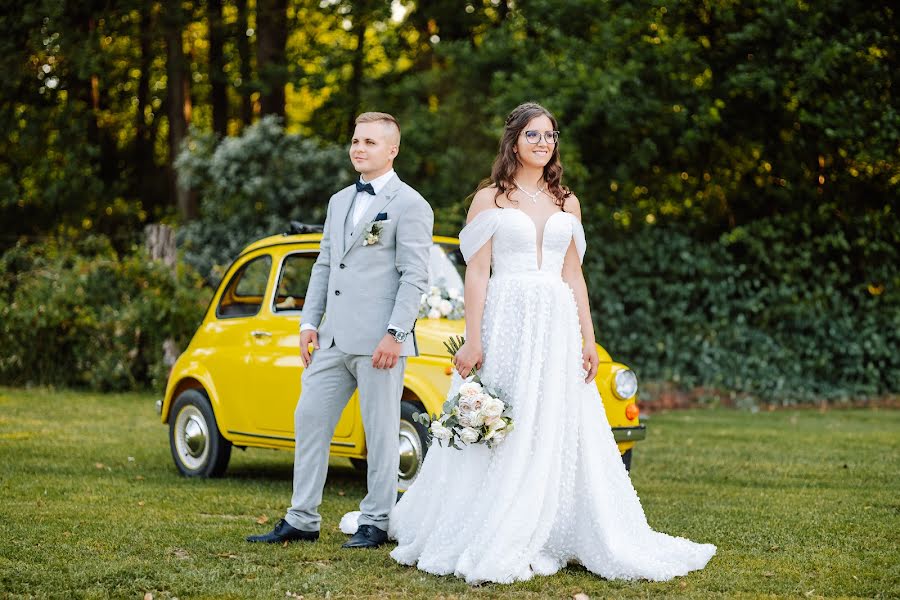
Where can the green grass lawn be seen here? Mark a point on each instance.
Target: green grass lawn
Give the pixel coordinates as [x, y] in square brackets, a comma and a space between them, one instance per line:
[800, 503]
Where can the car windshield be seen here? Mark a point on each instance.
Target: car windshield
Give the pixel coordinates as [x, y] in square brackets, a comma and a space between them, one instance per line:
[446, 267]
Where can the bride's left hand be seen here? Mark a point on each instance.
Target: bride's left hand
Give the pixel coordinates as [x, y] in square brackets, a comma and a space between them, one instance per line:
[590, 361]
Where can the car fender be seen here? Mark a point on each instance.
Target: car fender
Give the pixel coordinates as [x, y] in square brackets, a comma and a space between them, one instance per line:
[193, 376]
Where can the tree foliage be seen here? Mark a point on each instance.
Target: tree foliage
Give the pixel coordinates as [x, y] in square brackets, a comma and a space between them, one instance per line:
[729, 144]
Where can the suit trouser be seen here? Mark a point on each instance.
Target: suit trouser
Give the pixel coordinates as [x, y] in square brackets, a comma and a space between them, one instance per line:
[327, 385]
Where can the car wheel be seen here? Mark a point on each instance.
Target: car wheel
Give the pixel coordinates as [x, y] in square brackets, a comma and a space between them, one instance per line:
[626, 458]
[413, 445]
[199, 450]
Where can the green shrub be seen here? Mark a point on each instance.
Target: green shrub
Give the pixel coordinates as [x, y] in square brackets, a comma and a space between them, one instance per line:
[251, 186]
[786, 309]
[79, 315]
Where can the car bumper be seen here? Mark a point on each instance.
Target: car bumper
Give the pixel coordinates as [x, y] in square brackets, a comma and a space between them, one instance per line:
[629, 434]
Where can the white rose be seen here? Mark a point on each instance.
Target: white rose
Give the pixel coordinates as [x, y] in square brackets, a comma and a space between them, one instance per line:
[499, 436]
[434, 291]
[494, 428]
[445, 307]
[492, 407]
[440, 432]
[476, 418]
[434, 301]
[424, 299]
[453, 293]
[470, 388]
[434, 314]
[468, 435]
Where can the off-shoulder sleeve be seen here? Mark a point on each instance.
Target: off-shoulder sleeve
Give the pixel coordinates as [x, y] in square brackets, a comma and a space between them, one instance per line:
[478, 231]
[578, 236]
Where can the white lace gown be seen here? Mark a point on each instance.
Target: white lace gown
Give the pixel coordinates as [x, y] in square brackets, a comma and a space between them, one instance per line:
[555, 491]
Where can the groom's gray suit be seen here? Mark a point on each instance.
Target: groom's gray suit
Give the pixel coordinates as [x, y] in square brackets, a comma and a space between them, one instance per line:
[354, 293]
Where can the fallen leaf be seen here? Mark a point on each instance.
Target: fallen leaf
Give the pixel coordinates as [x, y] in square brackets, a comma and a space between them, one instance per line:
[581, 596]
[768, 574]
[285, 544]
[100, 465]
[810, 593]
[138, 477]
[340, 492]
[226, 555]
[130, 459]
[263, 519]
[683, 584]
[181, 554]
[148, 596]
[141, 503]
[774, 548]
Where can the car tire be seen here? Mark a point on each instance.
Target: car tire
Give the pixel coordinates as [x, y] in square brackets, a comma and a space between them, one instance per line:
[626, 459]
[413, 446]
[198, 449]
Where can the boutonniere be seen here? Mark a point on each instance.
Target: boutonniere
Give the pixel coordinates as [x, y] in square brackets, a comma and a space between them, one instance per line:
[372, 233]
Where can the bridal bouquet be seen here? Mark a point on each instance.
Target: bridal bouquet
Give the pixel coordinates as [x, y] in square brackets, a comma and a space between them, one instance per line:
[475, 415]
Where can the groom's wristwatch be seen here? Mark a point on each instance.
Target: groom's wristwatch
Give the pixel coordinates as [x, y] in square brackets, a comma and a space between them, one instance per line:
[398, 334]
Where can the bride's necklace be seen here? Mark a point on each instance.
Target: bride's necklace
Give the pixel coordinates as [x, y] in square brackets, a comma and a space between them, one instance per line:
[533, 196]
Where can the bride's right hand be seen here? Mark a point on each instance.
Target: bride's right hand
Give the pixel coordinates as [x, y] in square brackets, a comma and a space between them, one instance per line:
[468, 356]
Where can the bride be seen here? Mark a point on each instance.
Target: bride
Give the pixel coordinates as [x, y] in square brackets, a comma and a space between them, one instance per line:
[555, 490]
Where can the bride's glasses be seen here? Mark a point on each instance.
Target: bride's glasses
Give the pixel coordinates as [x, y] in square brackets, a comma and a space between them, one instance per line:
[533, 136]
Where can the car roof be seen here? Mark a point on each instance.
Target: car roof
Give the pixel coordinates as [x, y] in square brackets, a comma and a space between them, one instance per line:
[314, 238]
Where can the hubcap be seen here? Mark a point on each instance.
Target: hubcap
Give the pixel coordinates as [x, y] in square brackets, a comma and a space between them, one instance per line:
[191, 438]
[411, 453]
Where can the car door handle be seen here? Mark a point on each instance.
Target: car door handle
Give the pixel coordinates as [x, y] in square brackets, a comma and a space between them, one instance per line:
[260, 334]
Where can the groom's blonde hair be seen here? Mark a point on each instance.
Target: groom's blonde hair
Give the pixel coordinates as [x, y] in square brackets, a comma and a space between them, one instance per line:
[387, 120]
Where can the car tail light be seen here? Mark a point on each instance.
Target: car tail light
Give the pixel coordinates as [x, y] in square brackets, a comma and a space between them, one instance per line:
[632, 411]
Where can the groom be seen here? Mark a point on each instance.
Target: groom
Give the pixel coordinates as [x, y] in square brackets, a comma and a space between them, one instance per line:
[360, 309]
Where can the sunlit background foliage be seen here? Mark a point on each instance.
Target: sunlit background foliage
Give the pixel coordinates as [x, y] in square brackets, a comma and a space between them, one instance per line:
[737, 162]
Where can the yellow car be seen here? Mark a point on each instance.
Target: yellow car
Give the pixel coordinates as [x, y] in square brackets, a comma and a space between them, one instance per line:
[238, 382]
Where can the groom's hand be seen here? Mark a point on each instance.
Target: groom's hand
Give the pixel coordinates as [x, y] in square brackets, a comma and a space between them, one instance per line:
[387, 353]
[308, 337]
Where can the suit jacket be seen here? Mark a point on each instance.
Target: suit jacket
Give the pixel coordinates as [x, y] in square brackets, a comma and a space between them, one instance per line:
[355, 291]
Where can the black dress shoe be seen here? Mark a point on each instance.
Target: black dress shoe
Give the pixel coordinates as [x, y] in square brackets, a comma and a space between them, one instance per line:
[284, 533]
[367, 536]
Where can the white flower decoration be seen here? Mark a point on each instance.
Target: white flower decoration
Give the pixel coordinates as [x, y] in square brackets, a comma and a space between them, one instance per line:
[470, 388]
[468, 435]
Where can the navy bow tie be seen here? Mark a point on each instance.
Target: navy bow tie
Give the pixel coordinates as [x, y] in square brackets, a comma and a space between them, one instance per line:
[364, 187]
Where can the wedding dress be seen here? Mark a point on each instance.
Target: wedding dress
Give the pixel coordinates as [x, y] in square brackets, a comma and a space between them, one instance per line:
[555, 490]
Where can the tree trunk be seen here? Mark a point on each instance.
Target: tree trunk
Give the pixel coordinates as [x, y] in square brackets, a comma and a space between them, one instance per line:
[246, 71]
[271, 39]
[143, 151]
[177, 100]
[217, 78]
[160, 244]
[356, 75]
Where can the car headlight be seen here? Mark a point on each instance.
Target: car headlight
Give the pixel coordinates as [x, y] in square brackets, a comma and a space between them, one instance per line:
[625, 384]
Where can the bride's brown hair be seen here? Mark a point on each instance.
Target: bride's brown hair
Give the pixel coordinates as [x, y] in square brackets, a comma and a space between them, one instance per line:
[507, 162]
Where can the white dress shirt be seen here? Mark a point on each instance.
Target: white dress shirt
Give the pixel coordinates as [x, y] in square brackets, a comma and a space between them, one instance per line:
[361, 204]
[364, 199]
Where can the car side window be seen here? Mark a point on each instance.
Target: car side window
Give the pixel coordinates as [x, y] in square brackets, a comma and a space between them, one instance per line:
[293, 280]
[243, 296]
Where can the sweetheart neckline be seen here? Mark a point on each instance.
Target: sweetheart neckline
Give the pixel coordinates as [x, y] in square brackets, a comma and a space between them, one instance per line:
[539, 260]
